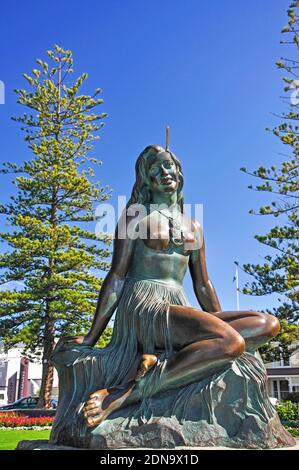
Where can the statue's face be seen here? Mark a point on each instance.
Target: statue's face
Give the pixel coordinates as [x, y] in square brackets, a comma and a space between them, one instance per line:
[163, 174]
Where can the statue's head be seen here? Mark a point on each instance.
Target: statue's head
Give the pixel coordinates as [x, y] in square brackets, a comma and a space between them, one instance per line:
[157, 170]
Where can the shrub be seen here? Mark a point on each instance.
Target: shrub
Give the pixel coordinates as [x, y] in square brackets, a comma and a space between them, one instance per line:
[293, 397]
[288, 411]
[293, 431]
[293, 423]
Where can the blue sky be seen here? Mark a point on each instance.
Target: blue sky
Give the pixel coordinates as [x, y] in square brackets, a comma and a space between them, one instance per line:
[206, 69]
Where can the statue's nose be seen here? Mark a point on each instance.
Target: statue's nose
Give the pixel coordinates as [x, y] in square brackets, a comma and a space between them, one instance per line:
[164, 170]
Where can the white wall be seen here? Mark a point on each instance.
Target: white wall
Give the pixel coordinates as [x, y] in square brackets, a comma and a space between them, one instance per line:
[13, 357]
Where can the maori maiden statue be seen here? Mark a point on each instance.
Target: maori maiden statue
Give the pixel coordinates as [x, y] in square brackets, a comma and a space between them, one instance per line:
[172, 375]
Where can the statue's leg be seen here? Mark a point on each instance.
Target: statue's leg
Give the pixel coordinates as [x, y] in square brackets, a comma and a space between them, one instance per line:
[203, 344]
[255, 327]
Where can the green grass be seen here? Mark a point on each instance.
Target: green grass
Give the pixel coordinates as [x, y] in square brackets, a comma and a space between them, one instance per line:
[9, 438]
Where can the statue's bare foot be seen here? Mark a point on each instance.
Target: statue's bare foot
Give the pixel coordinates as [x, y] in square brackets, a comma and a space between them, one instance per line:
[102, 402]
[147, 362]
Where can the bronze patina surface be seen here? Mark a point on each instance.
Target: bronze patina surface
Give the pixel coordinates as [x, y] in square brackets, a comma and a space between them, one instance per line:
[173, 374]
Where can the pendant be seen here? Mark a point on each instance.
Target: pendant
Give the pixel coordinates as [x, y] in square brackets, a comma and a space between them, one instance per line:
[175, 233]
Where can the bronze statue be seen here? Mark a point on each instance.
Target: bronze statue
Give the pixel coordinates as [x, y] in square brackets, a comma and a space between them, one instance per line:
[172, 375]
[160, 342]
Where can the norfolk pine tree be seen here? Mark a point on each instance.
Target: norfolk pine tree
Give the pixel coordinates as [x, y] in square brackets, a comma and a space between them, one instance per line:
[279, 273]
[51, 250]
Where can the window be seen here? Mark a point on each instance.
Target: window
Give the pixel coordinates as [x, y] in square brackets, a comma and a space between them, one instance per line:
[275, 391]
[284, 388]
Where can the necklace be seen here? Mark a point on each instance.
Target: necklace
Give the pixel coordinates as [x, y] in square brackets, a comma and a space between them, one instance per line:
[175, 233]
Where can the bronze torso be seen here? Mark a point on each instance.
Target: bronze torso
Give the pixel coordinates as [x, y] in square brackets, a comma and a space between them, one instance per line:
[157, 256]
[168, 265]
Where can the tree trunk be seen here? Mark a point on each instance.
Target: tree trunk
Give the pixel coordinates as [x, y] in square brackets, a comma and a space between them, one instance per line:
[49, 339]
[48, 371]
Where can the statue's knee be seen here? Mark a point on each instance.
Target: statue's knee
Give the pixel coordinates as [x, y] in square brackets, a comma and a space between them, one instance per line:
[265, 324]
[234, 345]
[268, 324]
[272, 325]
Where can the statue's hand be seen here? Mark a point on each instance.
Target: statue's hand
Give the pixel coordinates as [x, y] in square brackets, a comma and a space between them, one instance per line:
[73, 339]
[86, 340]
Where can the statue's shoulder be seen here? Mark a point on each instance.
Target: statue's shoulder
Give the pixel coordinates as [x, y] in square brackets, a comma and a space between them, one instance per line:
[193, 233]
[194, 224]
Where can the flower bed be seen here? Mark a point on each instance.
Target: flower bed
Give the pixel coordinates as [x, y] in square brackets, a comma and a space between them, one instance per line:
[13, 420]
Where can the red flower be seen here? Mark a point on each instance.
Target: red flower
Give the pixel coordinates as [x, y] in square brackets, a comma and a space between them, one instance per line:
[13, 420]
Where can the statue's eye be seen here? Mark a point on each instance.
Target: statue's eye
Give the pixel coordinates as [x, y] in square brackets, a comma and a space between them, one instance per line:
[154, 170]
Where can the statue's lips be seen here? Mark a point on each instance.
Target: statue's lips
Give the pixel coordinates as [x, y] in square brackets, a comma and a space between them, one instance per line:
[167, 182]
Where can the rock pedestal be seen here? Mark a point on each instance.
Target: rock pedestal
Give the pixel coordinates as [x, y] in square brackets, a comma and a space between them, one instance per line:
[230, 408]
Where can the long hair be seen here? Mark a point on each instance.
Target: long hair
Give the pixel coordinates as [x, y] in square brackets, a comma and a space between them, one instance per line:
[141, 192]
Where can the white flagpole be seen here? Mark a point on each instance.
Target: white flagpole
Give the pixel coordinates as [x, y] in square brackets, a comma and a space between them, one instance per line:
[237, 289]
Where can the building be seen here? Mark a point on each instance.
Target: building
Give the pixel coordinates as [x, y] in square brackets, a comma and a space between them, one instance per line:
[20, 377]
[283, 376]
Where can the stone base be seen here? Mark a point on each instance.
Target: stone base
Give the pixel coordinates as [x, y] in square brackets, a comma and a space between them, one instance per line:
[169, 433]
[231, 408]
[45, 445]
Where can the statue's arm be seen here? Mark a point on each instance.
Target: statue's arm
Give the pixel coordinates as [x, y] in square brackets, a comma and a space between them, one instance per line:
[202, 285]
[112, 286]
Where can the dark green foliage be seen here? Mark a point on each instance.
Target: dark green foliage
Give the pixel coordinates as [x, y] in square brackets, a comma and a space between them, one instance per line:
[293, 397]
[288, 411]
[52, 251]
[105, 338]
[279, 273]
[293, 430]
